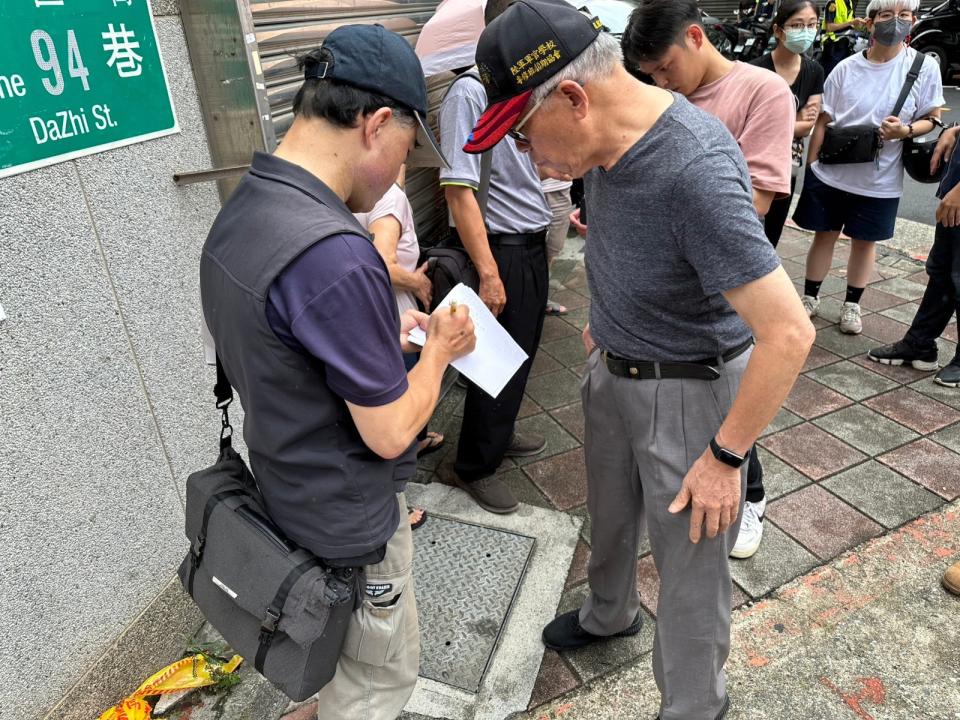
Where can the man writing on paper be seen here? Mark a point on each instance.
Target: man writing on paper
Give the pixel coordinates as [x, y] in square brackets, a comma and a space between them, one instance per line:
[681, 272]
[300, 305]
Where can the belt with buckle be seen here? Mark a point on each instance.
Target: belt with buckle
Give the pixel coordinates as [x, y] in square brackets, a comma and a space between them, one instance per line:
[693, 370]
[517, 239]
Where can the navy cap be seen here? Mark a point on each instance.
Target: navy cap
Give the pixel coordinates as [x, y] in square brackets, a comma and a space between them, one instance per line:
[372, 58]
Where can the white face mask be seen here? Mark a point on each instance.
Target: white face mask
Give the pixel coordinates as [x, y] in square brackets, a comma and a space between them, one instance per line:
[799, 41]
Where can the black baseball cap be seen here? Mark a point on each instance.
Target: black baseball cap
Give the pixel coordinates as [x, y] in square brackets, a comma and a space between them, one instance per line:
[523, 48]
[372, 58]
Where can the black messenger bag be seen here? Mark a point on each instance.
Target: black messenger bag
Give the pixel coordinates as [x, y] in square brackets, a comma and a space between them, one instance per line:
[862, 143]
[274, 603]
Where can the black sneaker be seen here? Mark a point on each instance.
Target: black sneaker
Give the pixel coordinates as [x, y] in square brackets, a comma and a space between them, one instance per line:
[949, 376]
[902, 353]
[564, 632]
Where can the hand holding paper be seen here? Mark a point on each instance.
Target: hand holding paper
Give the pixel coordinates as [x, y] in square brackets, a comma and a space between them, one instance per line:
[496, 357]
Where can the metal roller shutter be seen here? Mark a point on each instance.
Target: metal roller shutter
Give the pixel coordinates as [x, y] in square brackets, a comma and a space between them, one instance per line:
[244, 55]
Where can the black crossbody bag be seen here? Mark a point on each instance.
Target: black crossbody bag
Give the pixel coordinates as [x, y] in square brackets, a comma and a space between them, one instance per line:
[274, 603]
[862, 143]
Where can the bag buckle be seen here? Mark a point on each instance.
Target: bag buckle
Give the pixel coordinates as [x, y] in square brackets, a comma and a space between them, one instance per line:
[269, 625]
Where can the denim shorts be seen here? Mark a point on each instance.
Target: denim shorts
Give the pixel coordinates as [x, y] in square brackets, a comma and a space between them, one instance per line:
[823, 208]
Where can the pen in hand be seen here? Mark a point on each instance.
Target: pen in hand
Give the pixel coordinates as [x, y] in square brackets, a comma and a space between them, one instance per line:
[453, 307]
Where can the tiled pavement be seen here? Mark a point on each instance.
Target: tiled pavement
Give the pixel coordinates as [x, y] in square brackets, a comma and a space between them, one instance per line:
[858, 450]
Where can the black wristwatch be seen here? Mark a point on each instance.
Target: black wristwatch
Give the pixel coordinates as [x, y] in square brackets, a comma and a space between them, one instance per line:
[728, 457]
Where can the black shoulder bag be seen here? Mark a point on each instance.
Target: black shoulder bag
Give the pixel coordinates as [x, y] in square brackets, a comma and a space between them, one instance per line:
[862, 143]
[274, 603]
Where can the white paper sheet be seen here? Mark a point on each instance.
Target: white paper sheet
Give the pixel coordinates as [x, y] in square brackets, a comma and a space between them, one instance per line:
[496, 358]
[3, 315]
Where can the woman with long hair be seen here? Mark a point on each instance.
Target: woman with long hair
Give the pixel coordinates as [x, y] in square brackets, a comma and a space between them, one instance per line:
[795, 27]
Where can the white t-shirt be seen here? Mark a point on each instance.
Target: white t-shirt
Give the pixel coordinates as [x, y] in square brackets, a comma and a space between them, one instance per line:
[860, 92]
[395, 203]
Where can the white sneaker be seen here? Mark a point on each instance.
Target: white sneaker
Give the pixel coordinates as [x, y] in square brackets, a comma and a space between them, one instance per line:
[751, 530]
[850, 322]
[811, 304]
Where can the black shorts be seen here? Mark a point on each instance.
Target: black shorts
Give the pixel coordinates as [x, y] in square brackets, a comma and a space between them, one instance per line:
[824, 208]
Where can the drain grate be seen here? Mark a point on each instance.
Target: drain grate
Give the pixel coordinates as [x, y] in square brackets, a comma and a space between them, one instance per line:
[466, 578]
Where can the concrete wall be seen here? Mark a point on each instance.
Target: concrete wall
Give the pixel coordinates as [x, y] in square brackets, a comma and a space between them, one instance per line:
[104, 409]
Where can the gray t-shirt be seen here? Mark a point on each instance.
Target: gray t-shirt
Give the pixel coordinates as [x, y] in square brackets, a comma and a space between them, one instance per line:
[515, 203]
[672, 225]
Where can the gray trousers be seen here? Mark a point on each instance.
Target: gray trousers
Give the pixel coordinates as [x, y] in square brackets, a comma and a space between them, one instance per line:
[641, 438]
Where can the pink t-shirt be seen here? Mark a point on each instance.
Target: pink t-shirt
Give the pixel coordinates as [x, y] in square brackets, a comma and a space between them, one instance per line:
[759, 110]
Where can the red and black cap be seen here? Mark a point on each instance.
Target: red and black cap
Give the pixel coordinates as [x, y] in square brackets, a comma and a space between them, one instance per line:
[523, 48]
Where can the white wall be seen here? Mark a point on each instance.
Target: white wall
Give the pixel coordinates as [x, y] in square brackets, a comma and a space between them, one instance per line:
[103, 393]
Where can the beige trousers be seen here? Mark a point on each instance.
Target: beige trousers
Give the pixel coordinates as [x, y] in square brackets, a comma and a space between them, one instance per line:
[381, 655]
[560, 207]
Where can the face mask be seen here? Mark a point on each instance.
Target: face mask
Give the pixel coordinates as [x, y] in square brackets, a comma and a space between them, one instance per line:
[799, 41]
[891, 32]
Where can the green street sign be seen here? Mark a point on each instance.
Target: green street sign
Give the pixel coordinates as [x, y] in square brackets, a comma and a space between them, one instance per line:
[78, 77]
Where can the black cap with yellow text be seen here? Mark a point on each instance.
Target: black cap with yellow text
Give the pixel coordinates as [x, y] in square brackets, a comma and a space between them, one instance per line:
[523, 48]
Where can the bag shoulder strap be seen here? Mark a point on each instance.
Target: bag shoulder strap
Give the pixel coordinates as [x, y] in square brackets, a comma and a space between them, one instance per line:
[224, 394]
[486, 159]
[909, 82]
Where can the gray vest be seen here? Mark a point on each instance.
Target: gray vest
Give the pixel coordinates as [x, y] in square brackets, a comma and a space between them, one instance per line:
[323, 487]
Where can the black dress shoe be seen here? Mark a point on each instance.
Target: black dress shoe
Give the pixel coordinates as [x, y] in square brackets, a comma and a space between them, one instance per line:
[564, 632]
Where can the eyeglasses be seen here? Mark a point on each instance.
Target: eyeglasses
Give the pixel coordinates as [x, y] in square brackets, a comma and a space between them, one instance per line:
[885, 15]
[800, 26]
[515, 133]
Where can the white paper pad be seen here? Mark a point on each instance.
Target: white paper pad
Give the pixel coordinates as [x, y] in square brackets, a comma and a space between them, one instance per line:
[496, 358]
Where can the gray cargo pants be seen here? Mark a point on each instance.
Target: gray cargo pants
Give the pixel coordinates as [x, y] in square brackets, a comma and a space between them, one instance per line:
[381, 653]
[641, 438]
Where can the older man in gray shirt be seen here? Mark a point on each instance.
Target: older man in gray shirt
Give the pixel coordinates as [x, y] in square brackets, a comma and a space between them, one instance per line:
[508, 247]
[682, 280]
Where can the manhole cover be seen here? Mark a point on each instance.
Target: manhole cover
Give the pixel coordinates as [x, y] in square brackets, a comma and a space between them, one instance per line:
[466, 578]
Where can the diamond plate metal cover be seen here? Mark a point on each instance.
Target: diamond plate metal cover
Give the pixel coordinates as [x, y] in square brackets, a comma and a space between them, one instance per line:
[466, 579]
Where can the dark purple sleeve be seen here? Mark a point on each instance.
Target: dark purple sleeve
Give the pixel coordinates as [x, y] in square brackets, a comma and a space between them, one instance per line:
[337, 301]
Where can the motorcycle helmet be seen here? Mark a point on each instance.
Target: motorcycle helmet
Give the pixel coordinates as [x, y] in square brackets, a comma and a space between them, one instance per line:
[916, 159]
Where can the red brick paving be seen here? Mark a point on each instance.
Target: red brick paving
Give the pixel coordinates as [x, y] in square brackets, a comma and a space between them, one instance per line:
[821, 522]
[876, 300]
[562, 478]
[810, 399]
[918, 412]
[932, 465]
[819, 357]
[578, 566]
[812, 451]
[554, 679]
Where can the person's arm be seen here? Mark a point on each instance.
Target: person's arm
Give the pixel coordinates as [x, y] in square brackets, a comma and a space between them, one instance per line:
[739, 263]
[459, 112]
[807, 117]
[892, 128]
[816, 140]
[386, 233]
[784, 335]
[762, 200]
[465, 209]
[389, 430]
